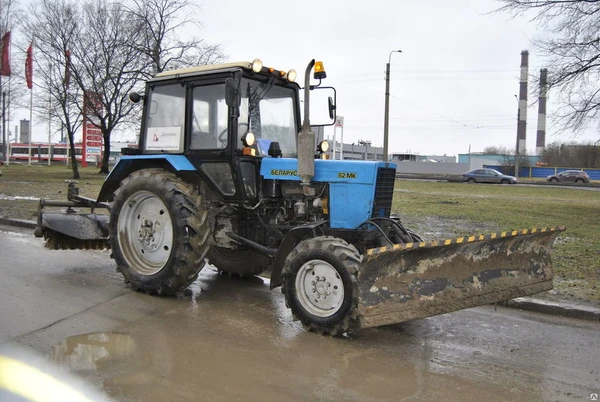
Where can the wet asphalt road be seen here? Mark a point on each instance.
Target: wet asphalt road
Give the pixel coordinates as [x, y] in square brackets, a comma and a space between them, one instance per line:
[230, 339]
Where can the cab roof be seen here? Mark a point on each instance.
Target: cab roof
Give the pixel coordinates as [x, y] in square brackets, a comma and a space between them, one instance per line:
[202, 69]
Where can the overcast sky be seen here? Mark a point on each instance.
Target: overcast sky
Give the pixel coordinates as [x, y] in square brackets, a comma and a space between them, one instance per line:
[452, 88]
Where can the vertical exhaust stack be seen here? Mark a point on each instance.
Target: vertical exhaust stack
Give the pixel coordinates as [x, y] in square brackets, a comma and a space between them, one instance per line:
[540, 142]
[306, 137]
[522, 116]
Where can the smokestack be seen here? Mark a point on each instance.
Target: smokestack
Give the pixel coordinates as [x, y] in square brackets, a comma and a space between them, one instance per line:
[522, 125]
[522, 115]
[540, 142]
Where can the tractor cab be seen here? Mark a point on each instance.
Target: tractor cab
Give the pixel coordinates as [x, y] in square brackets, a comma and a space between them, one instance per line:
[224, 118]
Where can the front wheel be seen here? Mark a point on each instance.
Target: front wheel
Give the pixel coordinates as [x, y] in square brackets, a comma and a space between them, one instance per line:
[319, 282]
[158, 231]
[505, 181]
[471, 180]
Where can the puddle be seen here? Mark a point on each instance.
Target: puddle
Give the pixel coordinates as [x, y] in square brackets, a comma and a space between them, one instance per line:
[85, 352]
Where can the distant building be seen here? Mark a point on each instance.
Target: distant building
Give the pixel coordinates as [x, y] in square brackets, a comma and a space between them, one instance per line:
[362, 151]
[478, 160]
[404, 157]
[24, 129]
[441, 158]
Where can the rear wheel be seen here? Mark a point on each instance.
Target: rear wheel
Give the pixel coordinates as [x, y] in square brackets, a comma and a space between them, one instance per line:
[319, 281]
[158, 231]
[238, 262]
[579, 181]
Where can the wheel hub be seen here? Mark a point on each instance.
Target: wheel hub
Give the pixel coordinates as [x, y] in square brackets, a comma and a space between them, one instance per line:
[150, 234]
[319, 288]
[145, 233]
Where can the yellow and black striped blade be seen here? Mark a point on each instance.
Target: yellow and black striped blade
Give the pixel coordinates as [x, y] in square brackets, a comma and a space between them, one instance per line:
[416, 280]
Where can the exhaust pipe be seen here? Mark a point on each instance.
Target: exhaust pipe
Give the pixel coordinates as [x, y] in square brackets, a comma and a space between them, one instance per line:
[306, 138]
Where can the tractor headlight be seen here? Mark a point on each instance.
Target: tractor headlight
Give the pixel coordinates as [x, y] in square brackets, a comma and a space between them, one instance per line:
[323, 146]
[134, 97]
[248, 139]
[291, 75]
[257, 65]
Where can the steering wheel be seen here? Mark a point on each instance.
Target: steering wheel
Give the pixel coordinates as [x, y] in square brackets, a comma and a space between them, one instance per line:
[223, 135]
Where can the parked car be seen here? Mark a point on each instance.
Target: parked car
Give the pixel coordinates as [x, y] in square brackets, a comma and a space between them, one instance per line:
[487, 176]
[576, 176]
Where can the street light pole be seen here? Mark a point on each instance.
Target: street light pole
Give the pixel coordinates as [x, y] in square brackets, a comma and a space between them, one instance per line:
[386, 122]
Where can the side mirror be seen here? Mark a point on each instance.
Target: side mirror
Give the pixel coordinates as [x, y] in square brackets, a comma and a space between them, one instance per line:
[331, 104]
[322, 106]
[232, 92]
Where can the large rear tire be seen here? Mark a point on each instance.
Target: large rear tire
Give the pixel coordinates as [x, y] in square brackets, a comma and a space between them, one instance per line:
[319, 282]
[238, 262]
[158, 231]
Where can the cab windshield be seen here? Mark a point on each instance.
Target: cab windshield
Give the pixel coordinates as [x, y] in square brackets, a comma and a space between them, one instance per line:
[268, 112]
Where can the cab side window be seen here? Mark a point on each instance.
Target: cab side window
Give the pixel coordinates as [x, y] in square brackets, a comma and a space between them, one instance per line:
[209, 117]
[164, 122]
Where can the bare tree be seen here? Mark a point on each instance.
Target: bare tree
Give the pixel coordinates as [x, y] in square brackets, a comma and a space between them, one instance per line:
[113, 46]
[571, 45]
[55, 31]
[10, 20]
[508, 162]
[497, 150]
[507, 157]
[572, 155]
[107, 66]
[162, 24]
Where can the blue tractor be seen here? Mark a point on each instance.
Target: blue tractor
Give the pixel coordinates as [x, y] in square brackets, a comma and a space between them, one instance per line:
[228, 171]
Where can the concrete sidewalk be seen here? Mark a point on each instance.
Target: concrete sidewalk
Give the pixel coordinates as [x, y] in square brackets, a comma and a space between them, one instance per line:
[561, 307]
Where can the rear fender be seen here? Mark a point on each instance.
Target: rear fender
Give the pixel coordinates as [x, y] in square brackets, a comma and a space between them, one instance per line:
[131, 163]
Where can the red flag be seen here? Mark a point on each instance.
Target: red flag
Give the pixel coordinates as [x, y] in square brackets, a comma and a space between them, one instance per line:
[67, 79]
[5, 70]
[29, 67]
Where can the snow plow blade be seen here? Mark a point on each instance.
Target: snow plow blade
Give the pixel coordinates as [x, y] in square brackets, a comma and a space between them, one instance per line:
[416, 280]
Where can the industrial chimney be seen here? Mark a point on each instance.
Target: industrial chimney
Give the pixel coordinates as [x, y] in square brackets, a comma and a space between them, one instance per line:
[522, 116]
[540, 142]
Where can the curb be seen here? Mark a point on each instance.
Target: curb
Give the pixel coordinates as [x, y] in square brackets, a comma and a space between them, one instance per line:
[18, 222]
[563, 309]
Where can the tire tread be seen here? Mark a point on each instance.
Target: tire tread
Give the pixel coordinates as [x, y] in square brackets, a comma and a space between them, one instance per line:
[351, 259]
[187, 200]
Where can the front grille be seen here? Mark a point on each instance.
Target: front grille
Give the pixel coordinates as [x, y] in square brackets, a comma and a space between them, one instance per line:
[384, 192]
